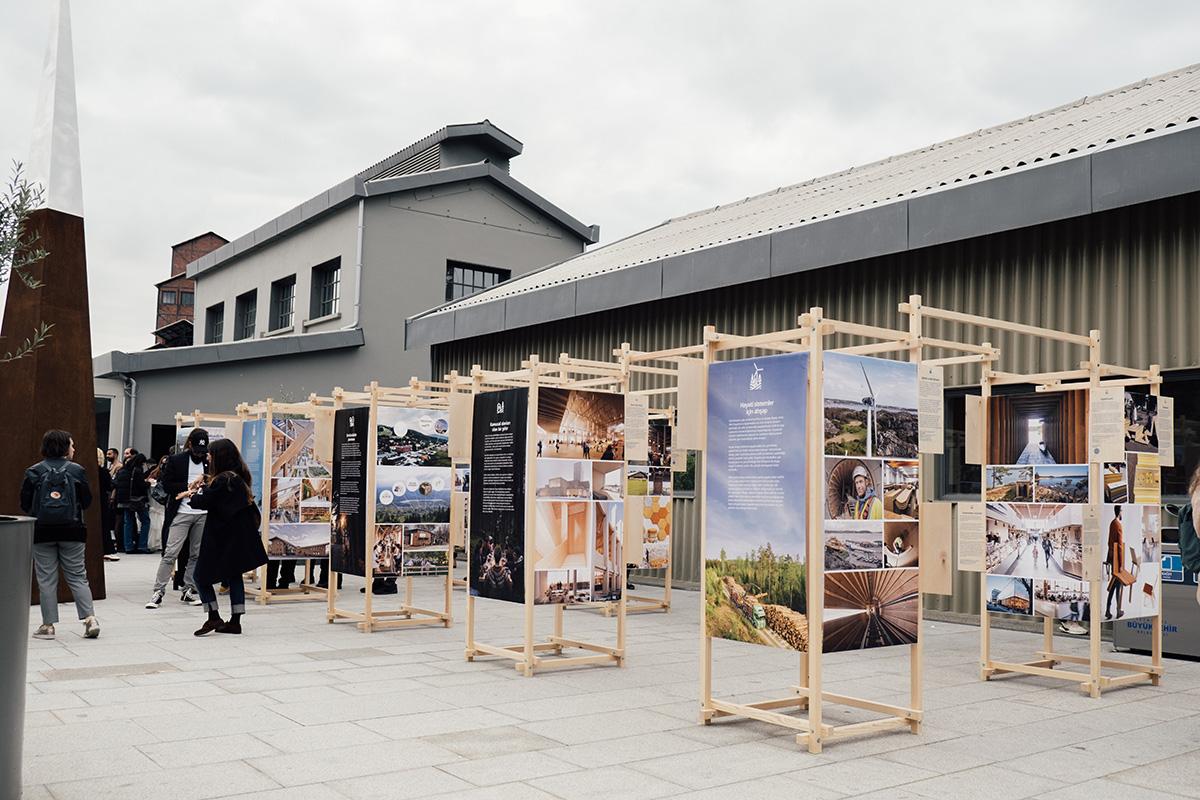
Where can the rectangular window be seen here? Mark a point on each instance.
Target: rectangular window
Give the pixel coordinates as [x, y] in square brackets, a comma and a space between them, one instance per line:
[168, 297]
[283, 302]
[186, 298]
[214, 324]
[244, 315]
[326, 289]
[463, 280]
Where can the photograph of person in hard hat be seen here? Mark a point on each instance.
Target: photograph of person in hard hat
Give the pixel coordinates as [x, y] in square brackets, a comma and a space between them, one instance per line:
[852, 488]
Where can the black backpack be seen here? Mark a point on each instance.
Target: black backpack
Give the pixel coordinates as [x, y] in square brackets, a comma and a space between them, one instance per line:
[55, 503]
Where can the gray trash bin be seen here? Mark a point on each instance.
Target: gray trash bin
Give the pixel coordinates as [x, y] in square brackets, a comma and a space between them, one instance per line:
[16, 556]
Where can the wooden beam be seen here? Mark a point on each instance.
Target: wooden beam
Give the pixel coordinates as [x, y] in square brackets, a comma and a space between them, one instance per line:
[1000, 324]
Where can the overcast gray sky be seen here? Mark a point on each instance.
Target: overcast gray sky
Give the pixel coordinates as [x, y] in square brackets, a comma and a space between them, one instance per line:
[221, 115]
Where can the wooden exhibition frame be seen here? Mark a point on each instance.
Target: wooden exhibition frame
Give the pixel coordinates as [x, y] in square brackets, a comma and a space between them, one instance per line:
[531, 656]
[266, 410]
[418, 394]
[810, 337]
[1090, 375]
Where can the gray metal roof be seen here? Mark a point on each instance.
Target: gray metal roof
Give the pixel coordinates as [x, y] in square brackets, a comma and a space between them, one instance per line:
[825, 220]
[442, 157]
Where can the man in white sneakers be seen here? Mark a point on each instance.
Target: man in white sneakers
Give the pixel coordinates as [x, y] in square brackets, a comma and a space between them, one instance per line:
[184, 524]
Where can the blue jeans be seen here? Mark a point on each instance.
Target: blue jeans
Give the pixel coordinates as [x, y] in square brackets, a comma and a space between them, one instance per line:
[137, 522]
[237, 595]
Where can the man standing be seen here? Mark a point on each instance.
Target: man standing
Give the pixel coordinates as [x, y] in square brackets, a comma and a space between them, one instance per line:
[864, 504]
[1116, 564]
[184, 524]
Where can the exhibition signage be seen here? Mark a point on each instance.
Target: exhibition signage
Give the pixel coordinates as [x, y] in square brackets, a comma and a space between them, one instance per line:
[497, 532]
[351, 434]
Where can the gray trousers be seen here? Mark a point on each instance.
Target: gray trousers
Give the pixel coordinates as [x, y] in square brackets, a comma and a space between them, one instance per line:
[177, 536]
[47, 558]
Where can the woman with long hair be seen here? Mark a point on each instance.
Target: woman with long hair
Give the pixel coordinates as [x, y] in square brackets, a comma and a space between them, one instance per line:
[1194, 503]
[232, 543]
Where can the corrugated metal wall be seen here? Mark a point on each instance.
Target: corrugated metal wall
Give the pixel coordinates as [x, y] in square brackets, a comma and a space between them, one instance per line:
[1132, 273]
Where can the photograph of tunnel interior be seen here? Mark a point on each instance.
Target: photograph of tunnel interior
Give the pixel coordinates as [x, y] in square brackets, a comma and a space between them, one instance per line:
[1038, 428]
[876, 608]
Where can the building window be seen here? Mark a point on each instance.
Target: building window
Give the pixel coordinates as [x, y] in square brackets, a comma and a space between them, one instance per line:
[283, 302]
[168, 297]
[244, 315]
[214, 324]
[186, 298]
[463, 280]
[326, 289]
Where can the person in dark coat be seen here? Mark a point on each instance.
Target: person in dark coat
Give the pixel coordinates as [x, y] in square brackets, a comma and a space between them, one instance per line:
[133, 503]
[108, 514]
[232, 543]
[183, 523]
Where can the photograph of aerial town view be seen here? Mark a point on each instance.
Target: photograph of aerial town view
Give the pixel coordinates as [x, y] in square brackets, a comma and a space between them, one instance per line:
[1005, 483]
[1061, 483]
[412, 437]
[579, 424]
[870, 609]
[411, 494]
[292, 454]
[901, 493]
[850, 544]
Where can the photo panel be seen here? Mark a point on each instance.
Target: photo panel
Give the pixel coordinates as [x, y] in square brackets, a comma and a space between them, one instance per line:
[1132, 560]
[1060, 483]
[497, 530]
[1141, 423]
[1009, 484]
[561, 536]
[606, 480]
[292, 449]
[852, 488]
[387, 551]
[462, 477]
[660, 481]
[901, 489]
[412, 437]
[660, 443]
[1115, 475]
[426, 563]
[412, 494]
[316, 500]
[1035, 540]
[755, 467]
[847, 406]
[580, 424]
[426, 549]
[901, 544]
[563, 479]
[1062, 599]
[561, 587]
[285, 499]
[1007, 595]
[298, 540]
[608, 552]
[1038, 428]
[1145, 478]
[656, 533]
[853, 545]
[877, 608]
[637, 479]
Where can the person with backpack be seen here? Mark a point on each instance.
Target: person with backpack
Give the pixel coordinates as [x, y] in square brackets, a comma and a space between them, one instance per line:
[232, 544]
[132, 502]
[184, 523]
[55, 491]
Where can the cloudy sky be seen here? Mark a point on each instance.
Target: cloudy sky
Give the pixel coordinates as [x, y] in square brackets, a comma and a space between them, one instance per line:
[220, 115]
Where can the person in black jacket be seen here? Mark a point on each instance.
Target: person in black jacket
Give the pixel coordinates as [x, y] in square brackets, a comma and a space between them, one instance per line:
[232, 542]
[133, 503]
[184, 523]
[108, 516]
[56, 491]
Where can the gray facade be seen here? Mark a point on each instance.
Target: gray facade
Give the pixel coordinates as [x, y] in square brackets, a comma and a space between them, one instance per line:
[393, 240]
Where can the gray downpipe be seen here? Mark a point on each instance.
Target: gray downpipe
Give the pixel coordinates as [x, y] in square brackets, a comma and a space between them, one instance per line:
[358, 266]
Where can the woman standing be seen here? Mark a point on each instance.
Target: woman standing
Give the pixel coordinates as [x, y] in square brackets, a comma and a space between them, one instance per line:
[133, 503]
[232, 543]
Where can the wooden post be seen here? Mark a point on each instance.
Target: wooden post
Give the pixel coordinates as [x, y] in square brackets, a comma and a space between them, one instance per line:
[1095, 483]
[815, 569]
[331, 577]
[707, 710]
[530, 510]
[985, 620]
[1156, 633]
[369, 544]
[916, 651]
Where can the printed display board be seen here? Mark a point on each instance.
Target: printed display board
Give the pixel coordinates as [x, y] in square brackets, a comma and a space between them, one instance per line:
[214, 432]
[414, 481]
[576, 545]
[871, 532]
[649, 487]
[348, 534]
[497, 531]
[301, 498]
[1036, 486]
[755, 509]
[254, 435]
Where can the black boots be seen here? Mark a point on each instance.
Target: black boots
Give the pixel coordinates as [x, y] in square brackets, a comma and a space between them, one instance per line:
[211, 624]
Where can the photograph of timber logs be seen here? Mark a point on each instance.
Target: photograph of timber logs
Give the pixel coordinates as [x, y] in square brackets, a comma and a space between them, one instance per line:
[1038, 428]
[412, 437]
[573, 424]
[1035, 540]
[901, 493]
[850, 544]
[1141, 418]
[852, 488]
[870, 609]
[1009, 484]
[1010, 595]
[1060, 483]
